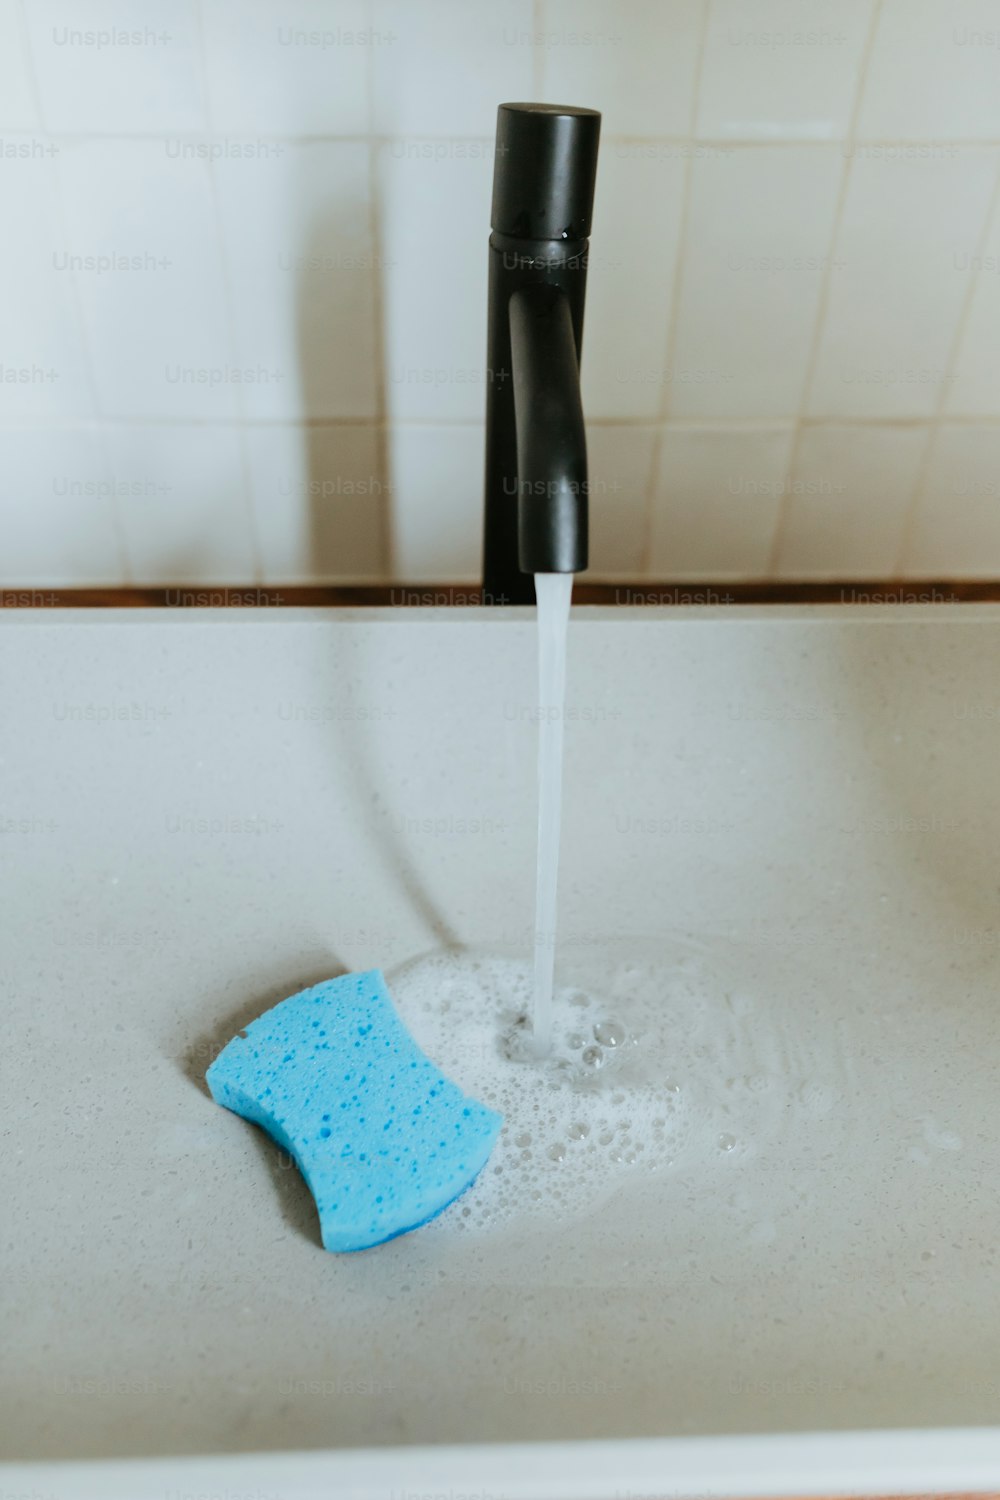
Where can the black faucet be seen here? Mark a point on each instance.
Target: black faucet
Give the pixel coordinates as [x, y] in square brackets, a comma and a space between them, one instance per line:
[536, 447]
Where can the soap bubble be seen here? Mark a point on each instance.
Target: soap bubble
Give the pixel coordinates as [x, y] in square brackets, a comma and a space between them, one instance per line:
[577, 1119]
[610, 1033]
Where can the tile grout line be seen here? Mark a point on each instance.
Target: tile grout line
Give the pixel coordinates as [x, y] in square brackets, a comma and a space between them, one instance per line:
[778, 424]
[676, 291]
[382, 426]
[76, 294]
[689, 143]
[938, 417]
[823, 301]
[249, 511]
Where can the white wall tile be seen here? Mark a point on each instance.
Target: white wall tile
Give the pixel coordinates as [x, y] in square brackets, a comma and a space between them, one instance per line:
[117, 65]
[435, 283]
[57, 525]
[297, 235]
[449, 65]
[159, 334]
[956, 529]
[437, 503]
[635, 60]
[782, 68]
[757, 246]
[321, 501]
[18, 110]
[620, 461]
[934, 72]
[230, 149]
[437, 500]
[895, 293]
[436, 302]
[716, 502]
[289, 67]
[848, 496]
[975, 383]
[43, 365]
[632, 260]
[188, 523]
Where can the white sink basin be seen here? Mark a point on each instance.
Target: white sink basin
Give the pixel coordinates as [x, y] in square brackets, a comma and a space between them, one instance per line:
[798, 809]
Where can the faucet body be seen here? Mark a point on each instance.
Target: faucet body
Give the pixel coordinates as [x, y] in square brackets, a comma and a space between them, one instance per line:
[536, 452]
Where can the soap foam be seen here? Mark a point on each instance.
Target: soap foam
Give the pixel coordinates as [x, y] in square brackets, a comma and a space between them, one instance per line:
[599, 1109]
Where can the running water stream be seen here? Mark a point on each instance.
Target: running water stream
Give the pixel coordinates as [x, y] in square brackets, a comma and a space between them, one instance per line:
[554, 591]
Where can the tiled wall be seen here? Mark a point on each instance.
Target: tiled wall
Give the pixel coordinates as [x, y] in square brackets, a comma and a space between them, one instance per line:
[243, 284]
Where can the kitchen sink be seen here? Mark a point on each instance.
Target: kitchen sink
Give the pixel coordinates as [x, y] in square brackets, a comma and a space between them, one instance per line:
[786, 818]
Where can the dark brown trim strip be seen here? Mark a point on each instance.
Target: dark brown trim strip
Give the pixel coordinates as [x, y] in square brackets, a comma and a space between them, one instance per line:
[641, 592]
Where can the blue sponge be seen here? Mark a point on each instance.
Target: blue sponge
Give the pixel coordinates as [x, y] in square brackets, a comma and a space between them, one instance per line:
[384, 1140]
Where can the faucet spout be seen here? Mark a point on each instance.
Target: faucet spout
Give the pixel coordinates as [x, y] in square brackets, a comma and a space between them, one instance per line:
[550, 439]
[536, 450]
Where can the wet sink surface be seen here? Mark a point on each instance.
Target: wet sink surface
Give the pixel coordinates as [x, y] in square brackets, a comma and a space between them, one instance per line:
[787, 819]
